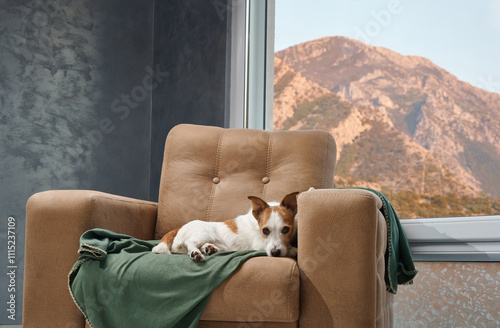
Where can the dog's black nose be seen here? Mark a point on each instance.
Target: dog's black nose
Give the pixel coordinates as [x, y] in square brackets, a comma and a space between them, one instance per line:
[275, 252]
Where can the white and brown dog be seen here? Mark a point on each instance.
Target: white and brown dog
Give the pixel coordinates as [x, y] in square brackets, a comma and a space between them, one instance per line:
[268, 227]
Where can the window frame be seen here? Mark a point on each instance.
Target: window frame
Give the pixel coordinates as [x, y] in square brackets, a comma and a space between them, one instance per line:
[465, 239]
[251, 77]
[470, 239]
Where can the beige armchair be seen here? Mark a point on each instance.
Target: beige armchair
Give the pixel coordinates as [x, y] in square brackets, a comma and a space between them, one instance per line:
[336, 281]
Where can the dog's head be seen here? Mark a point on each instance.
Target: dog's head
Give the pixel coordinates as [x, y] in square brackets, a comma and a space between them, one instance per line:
[276, 222]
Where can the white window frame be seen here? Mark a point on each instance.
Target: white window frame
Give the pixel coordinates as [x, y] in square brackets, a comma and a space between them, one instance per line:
[468, 239]
[251, 76]
[471, 239]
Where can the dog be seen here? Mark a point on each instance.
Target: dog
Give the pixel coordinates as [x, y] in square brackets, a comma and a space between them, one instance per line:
[267, 226]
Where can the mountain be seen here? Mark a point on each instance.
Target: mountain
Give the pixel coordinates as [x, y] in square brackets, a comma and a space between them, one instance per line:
[400, 122]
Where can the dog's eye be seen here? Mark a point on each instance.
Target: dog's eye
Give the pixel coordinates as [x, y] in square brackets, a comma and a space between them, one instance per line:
[285, 230]
[266, 231]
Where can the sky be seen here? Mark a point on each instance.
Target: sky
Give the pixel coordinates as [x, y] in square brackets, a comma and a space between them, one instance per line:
[461, 36]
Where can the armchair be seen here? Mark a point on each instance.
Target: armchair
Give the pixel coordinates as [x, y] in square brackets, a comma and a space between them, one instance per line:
[208, 172]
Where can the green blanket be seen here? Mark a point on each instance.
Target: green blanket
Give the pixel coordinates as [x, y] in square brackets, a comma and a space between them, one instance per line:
[118, 282]
[399, 262]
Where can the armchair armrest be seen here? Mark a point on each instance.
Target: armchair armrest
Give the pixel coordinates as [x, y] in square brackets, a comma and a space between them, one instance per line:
[342, 239]
[55, 221]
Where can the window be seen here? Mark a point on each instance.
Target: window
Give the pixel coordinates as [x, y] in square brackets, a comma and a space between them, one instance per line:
[378, 111]
[414, 106]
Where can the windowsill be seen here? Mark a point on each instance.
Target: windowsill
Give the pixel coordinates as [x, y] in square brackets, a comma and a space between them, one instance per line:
[468, 239]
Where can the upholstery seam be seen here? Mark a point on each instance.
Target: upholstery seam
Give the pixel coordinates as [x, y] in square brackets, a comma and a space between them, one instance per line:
[91, 210]
[323, 173]
[268, 164]
[330, 194]
[289, 316]
[138, 202]
[166, 163]
[216, 173]
[389, 288]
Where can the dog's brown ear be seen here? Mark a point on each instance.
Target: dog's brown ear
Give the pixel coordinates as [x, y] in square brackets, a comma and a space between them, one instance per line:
[258, 206]
[290, 202]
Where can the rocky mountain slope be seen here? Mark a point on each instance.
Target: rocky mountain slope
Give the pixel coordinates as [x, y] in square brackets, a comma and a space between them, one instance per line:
[399, 121]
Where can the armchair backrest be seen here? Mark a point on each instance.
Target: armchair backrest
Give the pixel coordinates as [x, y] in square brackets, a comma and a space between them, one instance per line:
[208, 172]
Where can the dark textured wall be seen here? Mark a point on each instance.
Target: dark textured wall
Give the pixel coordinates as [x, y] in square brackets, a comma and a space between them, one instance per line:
[62, 66]
[190, 44]
[89, 90]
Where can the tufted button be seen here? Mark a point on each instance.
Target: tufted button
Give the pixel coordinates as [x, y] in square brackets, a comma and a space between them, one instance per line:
[265, 180]
[216, 180]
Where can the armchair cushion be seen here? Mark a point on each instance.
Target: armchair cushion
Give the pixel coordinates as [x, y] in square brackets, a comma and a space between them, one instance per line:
[263, 289]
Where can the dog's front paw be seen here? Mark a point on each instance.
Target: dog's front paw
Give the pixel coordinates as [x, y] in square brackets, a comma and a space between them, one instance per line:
[197, 256]
[209, 249]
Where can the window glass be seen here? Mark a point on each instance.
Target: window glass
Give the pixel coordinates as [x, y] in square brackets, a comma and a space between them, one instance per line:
[410, 91]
